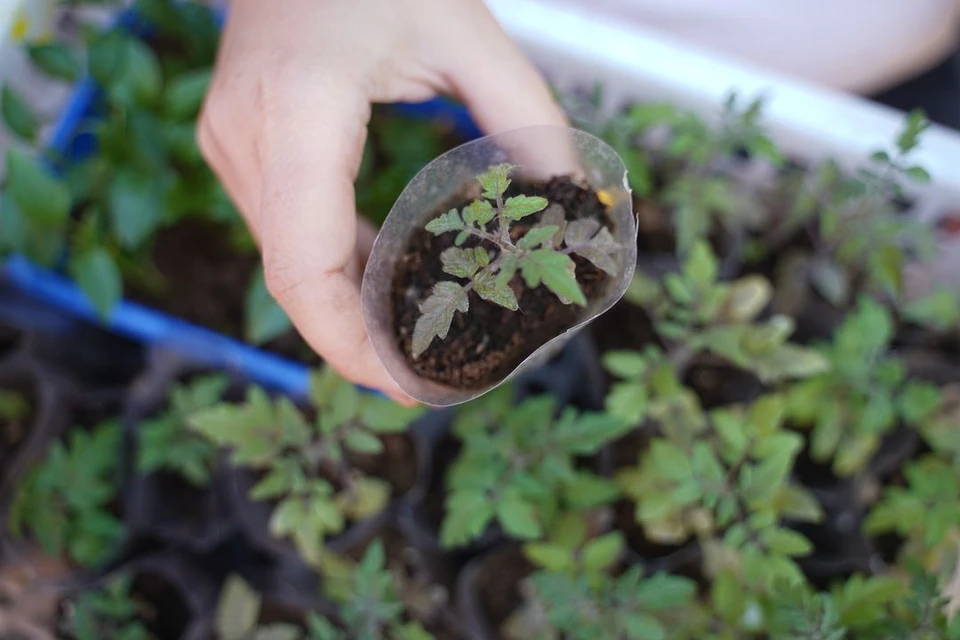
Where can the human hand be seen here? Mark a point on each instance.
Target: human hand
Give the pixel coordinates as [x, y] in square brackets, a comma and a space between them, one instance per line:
[284, 126]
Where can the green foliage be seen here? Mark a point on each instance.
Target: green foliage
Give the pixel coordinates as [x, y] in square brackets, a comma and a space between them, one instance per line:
[110, 612]
[517, 466]
[541, 254]
[724, 477]
[693, 312]
[238, 615]
[306, 464]
[863, 396]
[166, 441]
[369, 600]
[66, 501]
[631, 606]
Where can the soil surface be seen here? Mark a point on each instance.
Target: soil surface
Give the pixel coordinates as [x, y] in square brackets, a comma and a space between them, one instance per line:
[489, 341]
[206, 283]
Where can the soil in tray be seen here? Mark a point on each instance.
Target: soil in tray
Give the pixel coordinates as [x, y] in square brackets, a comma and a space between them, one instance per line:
[498, 585]
[489, 341]
[207, 281]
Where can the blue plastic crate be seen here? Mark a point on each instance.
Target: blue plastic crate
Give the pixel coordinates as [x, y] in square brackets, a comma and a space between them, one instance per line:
[148, 325]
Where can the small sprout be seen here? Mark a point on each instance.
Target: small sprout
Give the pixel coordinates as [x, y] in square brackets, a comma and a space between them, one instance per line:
[541, 254]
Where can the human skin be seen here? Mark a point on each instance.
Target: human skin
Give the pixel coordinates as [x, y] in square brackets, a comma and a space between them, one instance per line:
[285, 121]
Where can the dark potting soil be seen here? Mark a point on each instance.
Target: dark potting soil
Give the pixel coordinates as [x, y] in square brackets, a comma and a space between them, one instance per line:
[398, 463]
[207, 281]
[497, 585]
[489, 341]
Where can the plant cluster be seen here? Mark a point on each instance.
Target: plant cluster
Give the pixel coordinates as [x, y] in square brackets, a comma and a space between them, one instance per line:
[108, 612]
[541, 253]
[307, 463]
[67, 502]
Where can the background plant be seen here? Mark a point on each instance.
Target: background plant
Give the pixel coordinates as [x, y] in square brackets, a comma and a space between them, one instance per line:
[109, 612]
[305, 461]
[518, 466]
[541, 254]
[67, 501]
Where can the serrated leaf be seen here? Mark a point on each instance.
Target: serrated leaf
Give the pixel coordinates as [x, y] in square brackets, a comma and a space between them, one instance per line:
[437, 313]
[97, 274]
[468, 514]
[519, 207]
[495, 180]
[785, 541]
[17, 114]
[449, 221]
[538, 235]
[601, 251]
[480, 212]
[463, 263]
[490, 287]
[56, 60]
[238, 610]
[556, 270]
[518, 518]
[580, 231]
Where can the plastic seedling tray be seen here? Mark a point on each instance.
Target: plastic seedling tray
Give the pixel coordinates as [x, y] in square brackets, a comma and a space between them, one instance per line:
[148, 325]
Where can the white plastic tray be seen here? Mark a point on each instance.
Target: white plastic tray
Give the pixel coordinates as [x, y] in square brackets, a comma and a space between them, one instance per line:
[576, 48]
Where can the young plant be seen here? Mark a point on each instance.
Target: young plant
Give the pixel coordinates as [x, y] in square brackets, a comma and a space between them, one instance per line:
[166, 441]
[863, 396]
[860, 236]
[517, 466]
[541, 254]
[307, 463]
[724, 477]
[693, 312]
[369, 601]
[65, 501]
[700, 192]
[578, 593]
[110, 612]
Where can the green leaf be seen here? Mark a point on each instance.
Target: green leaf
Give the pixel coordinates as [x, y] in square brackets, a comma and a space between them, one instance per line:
[701, 267]
[918, 174]
[383, 415]
[537, 236]
[490, 287]
[97, 274]
[449, 221]
[495, 180]
[134, 202]
[55, 59]
[463, 263]
[238, 610]
[362, 441]
[40, 197]
[663, 591]
[184, 95]
[437, 313]
[625, 364]
[590, 240]
[519, 207]
[641, 626]
[17, 114]
[831, 281]
[264, 319]
[468, 514]
[550, 556]
[107, 57]
[517, 516]
[480, 212]
[556, 270]
[785, 541]
[600, 554]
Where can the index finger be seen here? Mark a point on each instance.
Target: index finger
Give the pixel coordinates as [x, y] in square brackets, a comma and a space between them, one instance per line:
[309, 229]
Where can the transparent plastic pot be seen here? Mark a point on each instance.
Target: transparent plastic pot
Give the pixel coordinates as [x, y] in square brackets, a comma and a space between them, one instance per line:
[538, 153]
